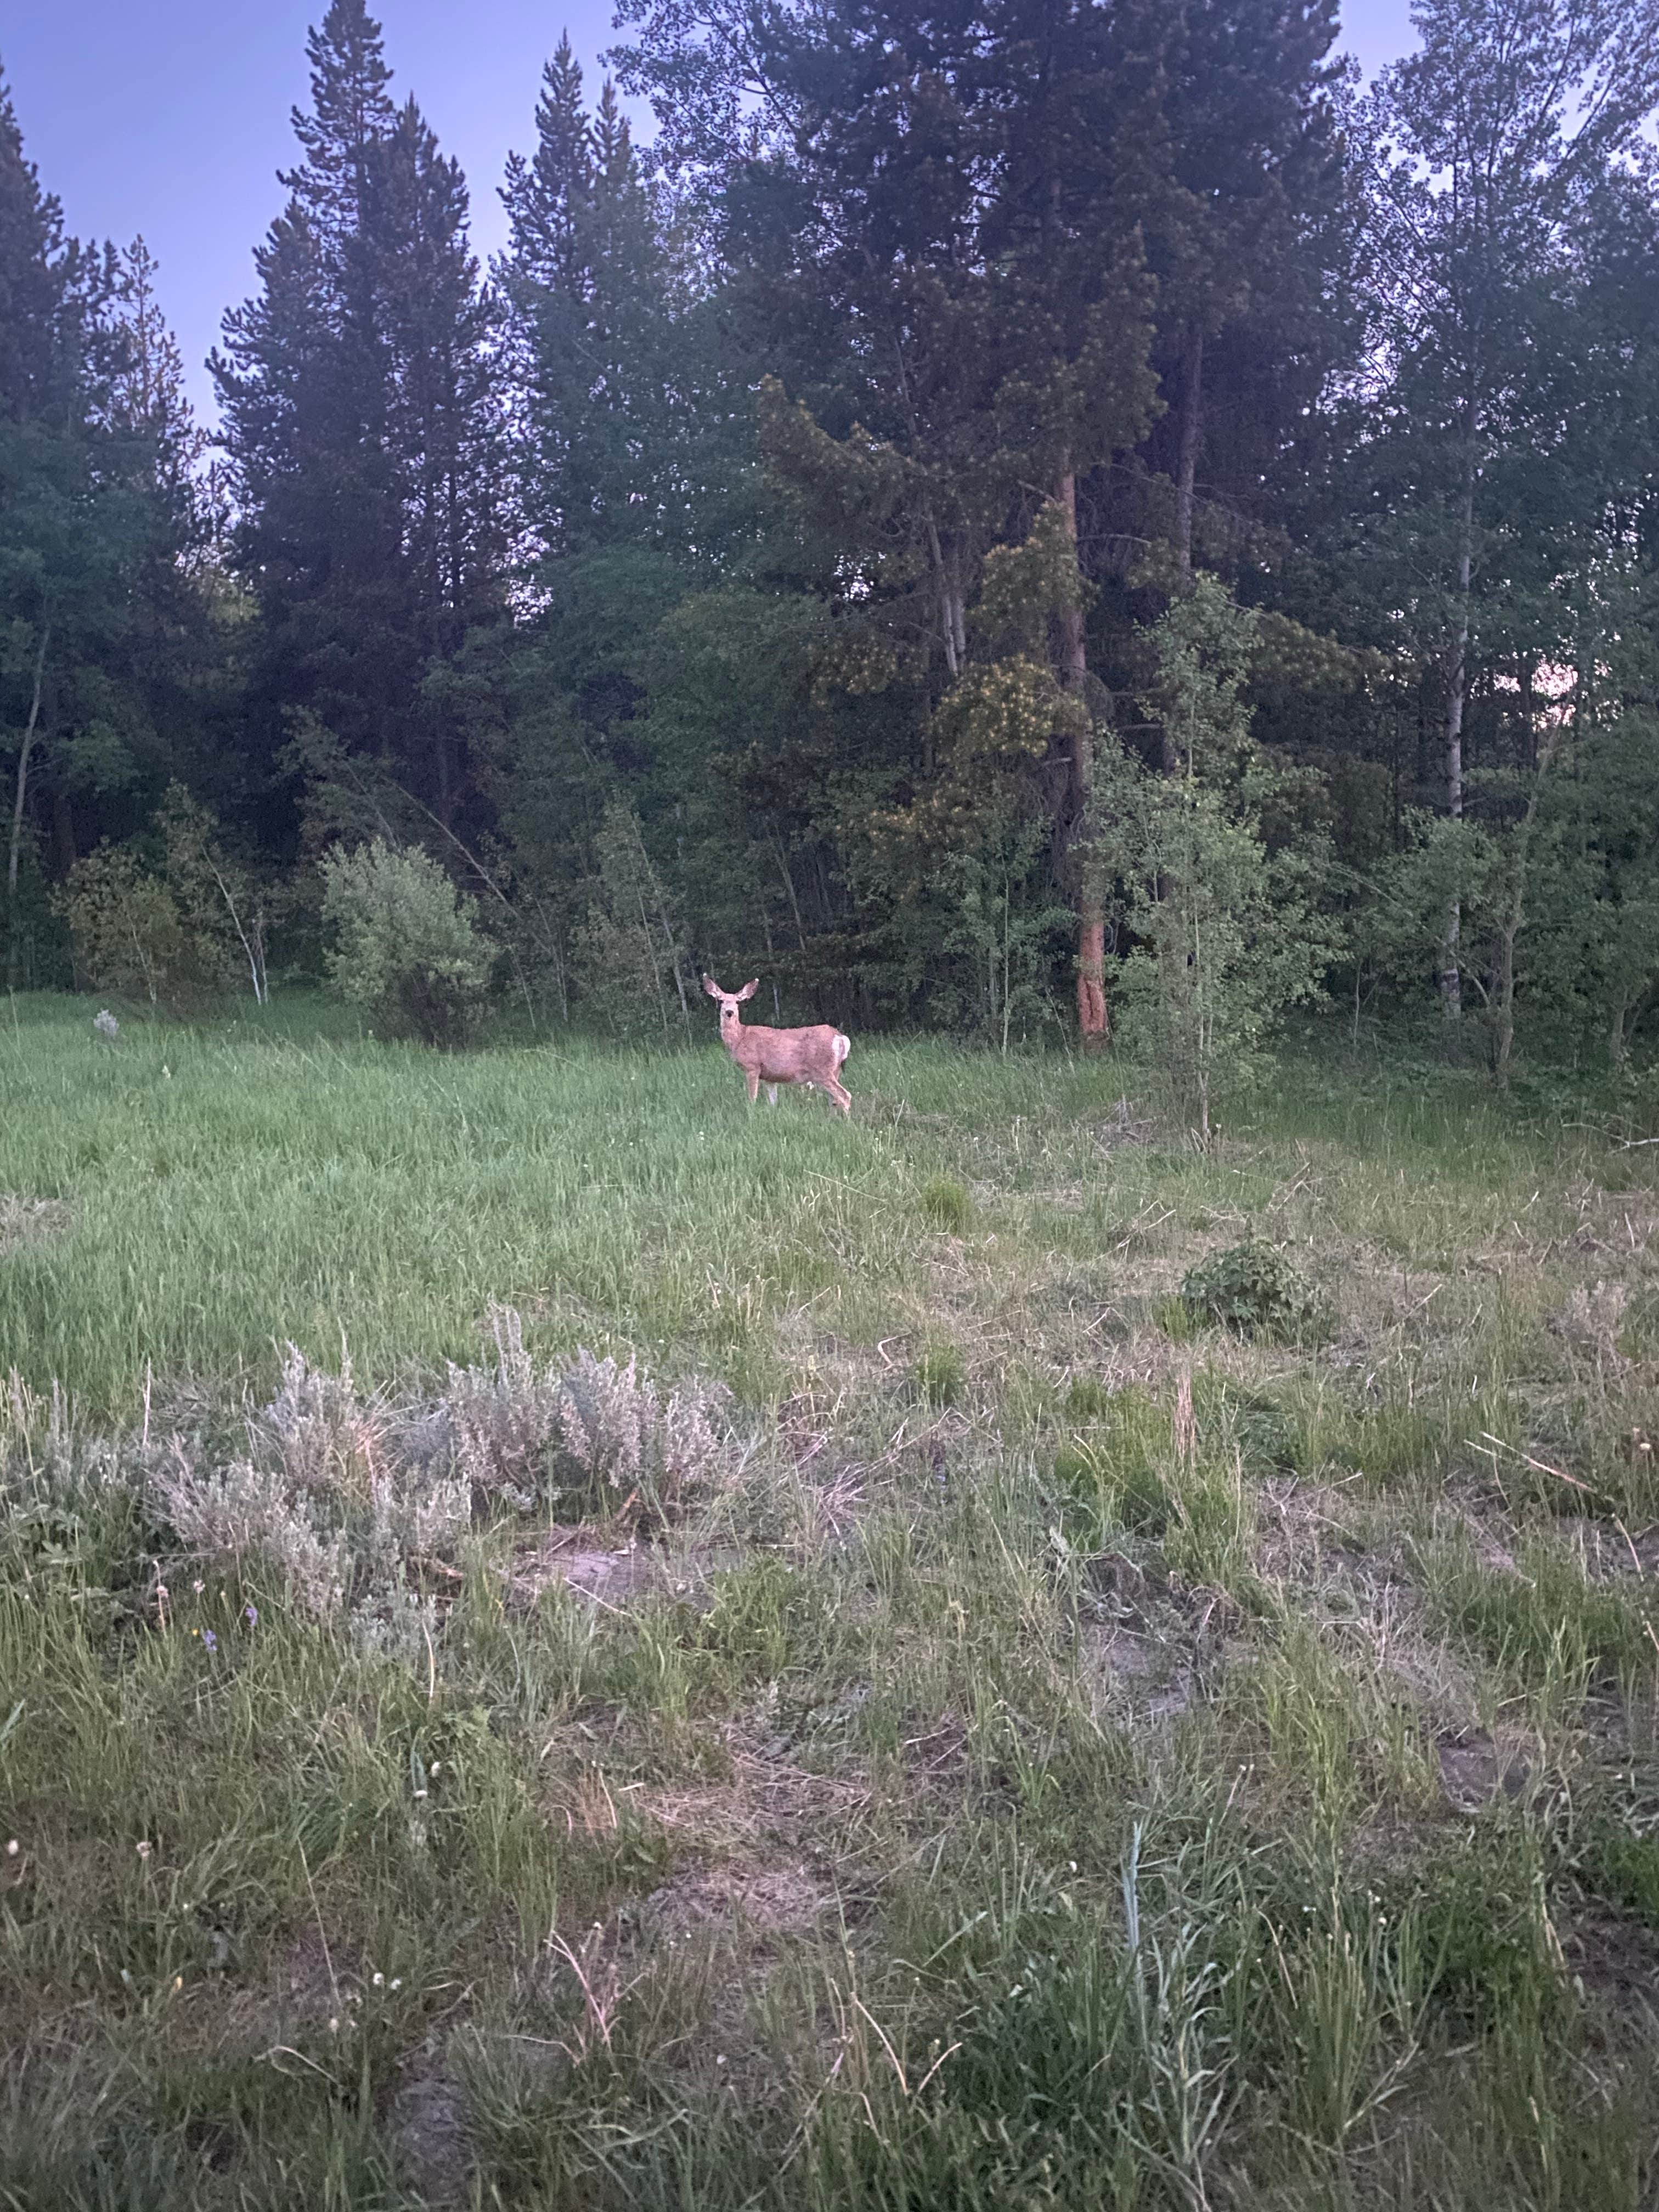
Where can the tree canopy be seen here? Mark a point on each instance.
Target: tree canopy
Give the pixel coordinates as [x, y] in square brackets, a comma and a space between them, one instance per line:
[803, 544]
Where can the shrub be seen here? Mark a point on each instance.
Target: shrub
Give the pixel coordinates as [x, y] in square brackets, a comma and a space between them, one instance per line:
[594, 1438]
[630, 955]
[408, 949]
[178, 936]
[127, 934]
[350, 1500]
[1254, 1289]
[1225, 932]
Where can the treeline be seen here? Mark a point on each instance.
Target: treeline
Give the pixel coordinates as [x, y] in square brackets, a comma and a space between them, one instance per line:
[1020, 519]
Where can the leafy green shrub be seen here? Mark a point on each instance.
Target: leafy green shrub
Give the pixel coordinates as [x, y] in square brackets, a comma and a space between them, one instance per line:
[1226, 926]
[179, 935]
[127, 934]
[1254, 1289]
[408, 947]
[945, 1205]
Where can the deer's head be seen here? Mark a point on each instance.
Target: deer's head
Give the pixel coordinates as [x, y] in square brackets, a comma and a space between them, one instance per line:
[729, 1001]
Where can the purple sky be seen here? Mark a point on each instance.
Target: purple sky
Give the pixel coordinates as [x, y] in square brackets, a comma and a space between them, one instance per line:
[170, 118]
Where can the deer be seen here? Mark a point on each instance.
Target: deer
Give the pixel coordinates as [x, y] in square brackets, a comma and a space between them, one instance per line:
[811, 1056]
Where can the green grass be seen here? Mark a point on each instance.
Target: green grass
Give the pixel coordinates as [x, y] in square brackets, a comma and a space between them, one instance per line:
[1054, 1753]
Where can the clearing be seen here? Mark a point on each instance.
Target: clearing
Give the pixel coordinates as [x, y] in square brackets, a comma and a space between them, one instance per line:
[949, 1725]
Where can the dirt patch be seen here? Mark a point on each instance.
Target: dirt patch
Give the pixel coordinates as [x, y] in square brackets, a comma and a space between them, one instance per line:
[1475, 1769]
[1618, 1962]
[766, 1799]
[314, 1979]
[1124, 1669]
[429, 2134]
[25, 1221]
[583, 1560]
[1299, 1521]
[1610, 1554]
[754, 1901]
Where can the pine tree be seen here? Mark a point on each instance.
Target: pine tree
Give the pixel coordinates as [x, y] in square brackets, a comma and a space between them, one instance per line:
[85, 517]
[36, 271]
[607, 390]
[357, 390]
[1244, 334]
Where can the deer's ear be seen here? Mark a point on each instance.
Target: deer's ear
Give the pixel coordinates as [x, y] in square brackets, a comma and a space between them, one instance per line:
[748, 990]
[711, 987]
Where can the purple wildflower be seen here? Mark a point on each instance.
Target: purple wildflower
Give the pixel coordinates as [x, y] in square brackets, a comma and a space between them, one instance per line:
[210, 1642]
[252, 1612]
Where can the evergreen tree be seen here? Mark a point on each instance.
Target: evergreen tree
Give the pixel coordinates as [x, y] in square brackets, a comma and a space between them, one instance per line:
[1245, 335]
[944, 260]
[623, 393]
[358, 405]
[94, 518]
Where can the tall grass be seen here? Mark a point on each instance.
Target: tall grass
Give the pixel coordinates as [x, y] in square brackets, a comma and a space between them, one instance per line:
[1062, 1755]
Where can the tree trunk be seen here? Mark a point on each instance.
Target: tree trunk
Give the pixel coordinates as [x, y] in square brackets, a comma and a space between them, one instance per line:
[1092, 1016]
[1451, 983]
[13, 949]
[1503, 1042]
[1192, 437]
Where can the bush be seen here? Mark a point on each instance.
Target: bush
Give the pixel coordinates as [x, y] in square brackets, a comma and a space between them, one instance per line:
[1255, 1290]
[350, 1500]
[178, 936]
[129, 939]
[408, 948]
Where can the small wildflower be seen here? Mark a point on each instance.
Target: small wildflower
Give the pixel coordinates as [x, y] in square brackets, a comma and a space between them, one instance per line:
[419, 1794]
[143, 1851]
[107, 1025]
[334, 2027]
[252, 1612]
[398, 1984]
[11, 1849]
[209, 1641]
[379, 1981]
[198, 1587]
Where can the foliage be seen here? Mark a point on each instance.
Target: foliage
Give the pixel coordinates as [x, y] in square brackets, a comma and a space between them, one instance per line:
[630, 957]
[1225, 935]
[360, 391]
[793, 550]
[128, 934]
[408, 949]
[1256, 1290]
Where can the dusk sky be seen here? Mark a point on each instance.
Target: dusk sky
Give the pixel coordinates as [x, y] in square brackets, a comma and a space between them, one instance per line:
[170, 120]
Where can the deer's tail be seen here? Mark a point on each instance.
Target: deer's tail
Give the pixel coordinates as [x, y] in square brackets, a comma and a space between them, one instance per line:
[843, 1045]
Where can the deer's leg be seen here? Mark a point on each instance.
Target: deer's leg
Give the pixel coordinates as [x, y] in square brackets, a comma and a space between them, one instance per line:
[840, 1094]
[771, 1094]
[753, 1078]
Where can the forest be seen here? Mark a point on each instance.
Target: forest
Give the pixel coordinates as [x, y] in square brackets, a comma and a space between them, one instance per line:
[1028, 522]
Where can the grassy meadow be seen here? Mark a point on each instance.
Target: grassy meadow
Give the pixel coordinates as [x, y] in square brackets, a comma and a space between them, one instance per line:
[951, 1727]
